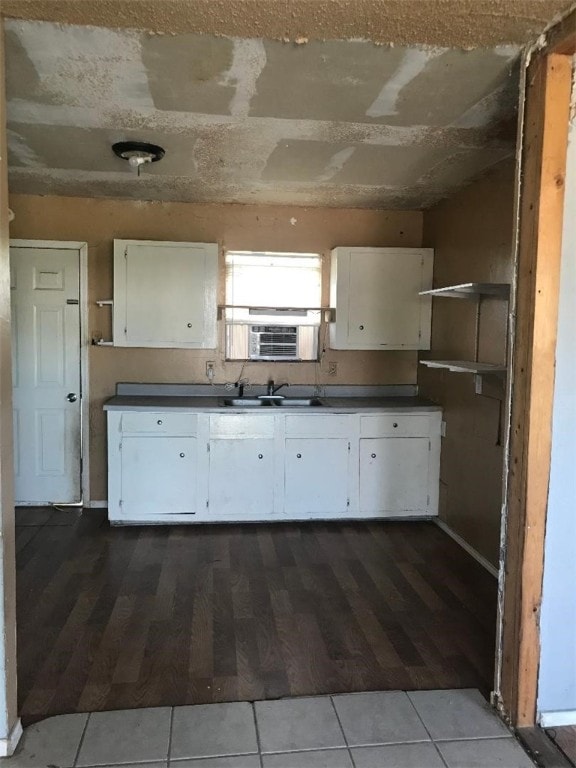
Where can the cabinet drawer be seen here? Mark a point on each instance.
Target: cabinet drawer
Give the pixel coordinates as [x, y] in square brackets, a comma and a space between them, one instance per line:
[159, 423]
[335, 425]
[237, 425]
[391, 425]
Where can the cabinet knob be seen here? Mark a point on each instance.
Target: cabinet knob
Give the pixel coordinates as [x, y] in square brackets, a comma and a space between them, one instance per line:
[182, 455]
[260, 455]
[298, 455]
[361, 327]
[373, 455]
[189, 325]
[395, 425]
[159, 421]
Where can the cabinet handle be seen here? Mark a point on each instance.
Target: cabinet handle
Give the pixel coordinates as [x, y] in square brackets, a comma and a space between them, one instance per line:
[373, 455]
[260, 455]
[298, 455]
[361, 327]
[189, 325]
[159, 421]
[182, 455]
[395, 425]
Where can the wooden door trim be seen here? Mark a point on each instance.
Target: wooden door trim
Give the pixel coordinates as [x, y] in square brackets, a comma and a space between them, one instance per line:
[82, 249]
[545, 142]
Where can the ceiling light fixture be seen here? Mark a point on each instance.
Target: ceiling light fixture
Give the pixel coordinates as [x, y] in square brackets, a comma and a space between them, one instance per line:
[138, 153]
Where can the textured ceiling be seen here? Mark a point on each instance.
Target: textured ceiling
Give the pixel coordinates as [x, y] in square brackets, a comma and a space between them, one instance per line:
[336, 122]
[448, 23]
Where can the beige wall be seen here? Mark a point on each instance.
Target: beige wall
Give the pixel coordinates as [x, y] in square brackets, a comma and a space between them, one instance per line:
[472, 237]
[8, 713]
[99, 221]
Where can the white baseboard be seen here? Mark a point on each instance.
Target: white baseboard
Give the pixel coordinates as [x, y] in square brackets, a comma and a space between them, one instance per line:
[464, 544]
[558, 718]
[9, 744]
[96, 504]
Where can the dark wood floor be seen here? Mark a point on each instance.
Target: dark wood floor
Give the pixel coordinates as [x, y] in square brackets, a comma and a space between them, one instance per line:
[147, 616]
[565, 738]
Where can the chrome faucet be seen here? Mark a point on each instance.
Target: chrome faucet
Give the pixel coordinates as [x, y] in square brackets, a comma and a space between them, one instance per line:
[271, 390]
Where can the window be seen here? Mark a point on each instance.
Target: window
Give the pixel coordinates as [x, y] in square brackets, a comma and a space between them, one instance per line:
[272, 305]
[279, 281]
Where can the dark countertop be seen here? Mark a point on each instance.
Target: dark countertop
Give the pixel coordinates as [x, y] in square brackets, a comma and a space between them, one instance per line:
[205, 404]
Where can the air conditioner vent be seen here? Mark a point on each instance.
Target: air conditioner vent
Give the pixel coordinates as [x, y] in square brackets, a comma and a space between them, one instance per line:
[273, 341]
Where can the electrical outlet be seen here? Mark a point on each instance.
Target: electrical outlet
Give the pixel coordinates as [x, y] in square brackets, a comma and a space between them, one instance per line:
[332, 368]
[210, 370]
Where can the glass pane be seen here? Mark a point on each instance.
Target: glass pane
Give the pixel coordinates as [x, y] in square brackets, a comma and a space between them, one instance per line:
[273, 279]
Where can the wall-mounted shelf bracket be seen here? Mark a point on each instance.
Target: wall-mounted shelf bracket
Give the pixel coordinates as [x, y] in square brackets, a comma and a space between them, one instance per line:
[496, 373]
[476, 291]
[466, 366]
[470, 291]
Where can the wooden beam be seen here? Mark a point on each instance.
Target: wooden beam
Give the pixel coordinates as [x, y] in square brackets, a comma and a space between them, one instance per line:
[561, 39]
[545, 145]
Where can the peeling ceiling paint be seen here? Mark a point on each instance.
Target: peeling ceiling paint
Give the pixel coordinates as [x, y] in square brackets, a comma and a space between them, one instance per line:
[251, 120]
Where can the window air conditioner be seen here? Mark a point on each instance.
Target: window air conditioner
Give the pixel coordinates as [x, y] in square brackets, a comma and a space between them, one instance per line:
[271, 342]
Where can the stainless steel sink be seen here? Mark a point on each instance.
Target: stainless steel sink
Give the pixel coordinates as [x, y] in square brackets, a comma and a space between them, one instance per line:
[286, 402]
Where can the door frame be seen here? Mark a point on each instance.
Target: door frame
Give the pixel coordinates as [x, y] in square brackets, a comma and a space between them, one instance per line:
[82, 249]
[539, 214]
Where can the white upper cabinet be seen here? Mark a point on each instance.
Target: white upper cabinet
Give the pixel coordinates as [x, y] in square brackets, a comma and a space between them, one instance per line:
[165, 294]
[375, 292]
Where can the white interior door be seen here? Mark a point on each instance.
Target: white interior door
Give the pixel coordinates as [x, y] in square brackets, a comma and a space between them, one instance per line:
[45, 292]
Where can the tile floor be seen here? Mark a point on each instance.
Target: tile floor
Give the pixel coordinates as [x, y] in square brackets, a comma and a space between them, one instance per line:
[392, 729]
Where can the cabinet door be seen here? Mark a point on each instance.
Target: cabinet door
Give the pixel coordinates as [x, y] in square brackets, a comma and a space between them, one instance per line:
[158, 476]
[377, 298]
[394, 475]
[316, 476]
[241, 478]
[165, 294]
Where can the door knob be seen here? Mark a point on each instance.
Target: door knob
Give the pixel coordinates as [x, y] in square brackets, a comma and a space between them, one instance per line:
[298, 455]
[182, 455]
[373, 455]
[260, 456]
[71, 397]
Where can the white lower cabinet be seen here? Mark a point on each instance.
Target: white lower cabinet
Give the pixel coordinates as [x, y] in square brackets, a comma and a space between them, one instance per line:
[207, 467]
[393, 472]
[158, 476]
[241, 478]
[316, 479]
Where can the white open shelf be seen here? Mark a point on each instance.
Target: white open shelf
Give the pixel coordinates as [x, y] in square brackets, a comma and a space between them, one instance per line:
[465, 366]
[470, 290]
